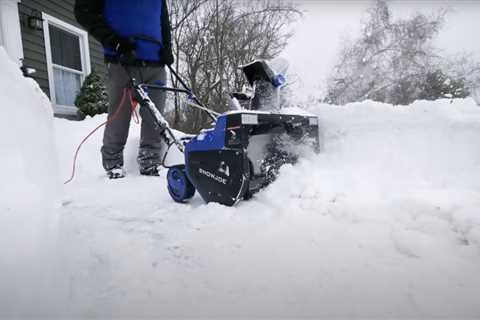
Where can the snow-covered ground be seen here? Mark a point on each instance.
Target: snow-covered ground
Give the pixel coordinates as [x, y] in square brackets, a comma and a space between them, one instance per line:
[385, 222]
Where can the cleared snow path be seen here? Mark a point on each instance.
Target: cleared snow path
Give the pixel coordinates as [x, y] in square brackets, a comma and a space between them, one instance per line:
[384, 222]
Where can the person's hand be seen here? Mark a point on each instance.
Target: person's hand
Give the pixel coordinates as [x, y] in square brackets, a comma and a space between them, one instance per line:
[125, 49]
[125, 46]
[166, 56]
[118, 44]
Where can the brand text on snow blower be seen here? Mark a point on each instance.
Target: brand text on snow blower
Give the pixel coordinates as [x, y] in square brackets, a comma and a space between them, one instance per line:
[212, 176]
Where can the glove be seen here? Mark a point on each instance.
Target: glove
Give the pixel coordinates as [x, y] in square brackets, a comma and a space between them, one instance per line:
[126, 50]
[166, 56]
[119, 44]
[124, 47]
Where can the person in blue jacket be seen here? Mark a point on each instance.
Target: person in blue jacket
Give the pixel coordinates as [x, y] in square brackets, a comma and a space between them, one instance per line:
[136, 36]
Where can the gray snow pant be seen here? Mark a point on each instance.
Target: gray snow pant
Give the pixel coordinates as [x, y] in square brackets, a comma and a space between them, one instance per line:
[116, 132]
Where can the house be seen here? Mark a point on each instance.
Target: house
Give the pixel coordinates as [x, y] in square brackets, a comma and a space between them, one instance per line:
[43, 35]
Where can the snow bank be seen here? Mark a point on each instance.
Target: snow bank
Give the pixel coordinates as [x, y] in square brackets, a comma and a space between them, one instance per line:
[27, 191]
[385, 222]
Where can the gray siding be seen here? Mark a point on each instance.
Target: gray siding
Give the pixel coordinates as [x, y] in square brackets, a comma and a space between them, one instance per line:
[34, 44]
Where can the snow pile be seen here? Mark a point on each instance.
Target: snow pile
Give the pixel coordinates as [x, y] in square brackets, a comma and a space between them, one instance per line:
[385, 222]
[27, 191]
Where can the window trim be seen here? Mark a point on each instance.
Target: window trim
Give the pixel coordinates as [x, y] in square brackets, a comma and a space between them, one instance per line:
[84, 54]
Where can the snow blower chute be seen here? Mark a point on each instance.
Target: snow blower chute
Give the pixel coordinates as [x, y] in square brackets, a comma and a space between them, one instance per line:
[243, 150]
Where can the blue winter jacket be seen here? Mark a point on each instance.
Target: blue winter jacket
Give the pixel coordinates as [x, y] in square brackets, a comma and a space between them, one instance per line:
[145, 22]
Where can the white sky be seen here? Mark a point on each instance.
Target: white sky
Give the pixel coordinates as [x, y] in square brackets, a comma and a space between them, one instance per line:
[313, 50]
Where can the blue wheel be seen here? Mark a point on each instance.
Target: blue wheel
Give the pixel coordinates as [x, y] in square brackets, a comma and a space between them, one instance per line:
[179, 186]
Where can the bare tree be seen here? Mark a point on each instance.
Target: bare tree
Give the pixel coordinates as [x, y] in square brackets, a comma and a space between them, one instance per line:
[180, 12]
[212, 38]
[391, 60]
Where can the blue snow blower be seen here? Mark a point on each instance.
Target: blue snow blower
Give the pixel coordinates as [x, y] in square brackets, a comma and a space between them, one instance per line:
[243, 150]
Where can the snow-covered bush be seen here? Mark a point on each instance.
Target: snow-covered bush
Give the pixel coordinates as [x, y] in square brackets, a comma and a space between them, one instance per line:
[438, 85]
[92, 98]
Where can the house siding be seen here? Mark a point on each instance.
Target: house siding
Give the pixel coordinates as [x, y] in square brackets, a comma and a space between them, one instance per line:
[34, 43]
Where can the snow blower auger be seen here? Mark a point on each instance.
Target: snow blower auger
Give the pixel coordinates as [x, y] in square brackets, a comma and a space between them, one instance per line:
[243, 150]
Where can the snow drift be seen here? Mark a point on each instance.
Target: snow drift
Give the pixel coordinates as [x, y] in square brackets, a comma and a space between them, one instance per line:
[28, 188]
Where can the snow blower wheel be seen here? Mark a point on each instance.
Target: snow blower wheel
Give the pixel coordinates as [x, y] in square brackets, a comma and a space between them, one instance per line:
[179, 186]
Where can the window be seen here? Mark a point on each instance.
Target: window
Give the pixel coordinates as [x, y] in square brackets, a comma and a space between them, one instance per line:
[68, 62]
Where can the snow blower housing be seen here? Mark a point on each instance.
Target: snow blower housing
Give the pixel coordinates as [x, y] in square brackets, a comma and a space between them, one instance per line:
[221, 162]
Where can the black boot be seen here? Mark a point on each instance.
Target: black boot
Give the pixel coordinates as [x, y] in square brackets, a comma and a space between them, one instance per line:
[151, 171]
[116, 173]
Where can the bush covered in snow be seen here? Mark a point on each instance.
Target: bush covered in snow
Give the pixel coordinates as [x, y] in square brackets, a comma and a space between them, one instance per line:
[438, 85]
[92, 98]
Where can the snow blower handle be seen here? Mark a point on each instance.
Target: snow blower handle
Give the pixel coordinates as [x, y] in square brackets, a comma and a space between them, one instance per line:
[188, 93]
[197, 104]
[144, 100]
[192, 96]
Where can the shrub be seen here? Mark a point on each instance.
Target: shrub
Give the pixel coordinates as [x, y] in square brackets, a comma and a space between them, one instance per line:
[92, 98]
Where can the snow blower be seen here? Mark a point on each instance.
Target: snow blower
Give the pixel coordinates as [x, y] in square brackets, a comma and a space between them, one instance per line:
[243, 150]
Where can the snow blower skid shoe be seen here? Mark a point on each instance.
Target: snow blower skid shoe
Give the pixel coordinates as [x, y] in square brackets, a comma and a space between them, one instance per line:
[243, 153]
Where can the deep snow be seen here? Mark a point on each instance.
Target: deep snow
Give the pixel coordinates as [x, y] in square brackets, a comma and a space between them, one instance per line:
[28, 189]
[384, 222]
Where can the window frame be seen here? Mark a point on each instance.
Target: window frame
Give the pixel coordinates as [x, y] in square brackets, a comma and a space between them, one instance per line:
[84, 55]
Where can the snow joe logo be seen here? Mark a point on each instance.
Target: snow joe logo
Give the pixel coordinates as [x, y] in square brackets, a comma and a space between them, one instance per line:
[212, 176]
[224, 169]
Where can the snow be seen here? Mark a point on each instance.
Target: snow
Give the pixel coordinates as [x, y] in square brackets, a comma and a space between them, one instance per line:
[387, 212]
[384, 222]
[28, 191]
